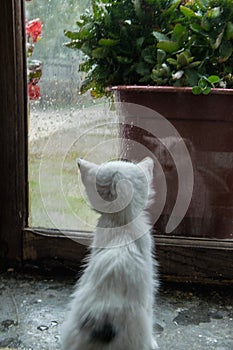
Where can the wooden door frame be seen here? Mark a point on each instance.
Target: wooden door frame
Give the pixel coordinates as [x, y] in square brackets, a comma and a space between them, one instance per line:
[180, 259]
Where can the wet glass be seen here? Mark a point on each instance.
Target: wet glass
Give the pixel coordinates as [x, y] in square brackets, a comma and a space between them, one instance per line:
[63, 125]
[190, 138]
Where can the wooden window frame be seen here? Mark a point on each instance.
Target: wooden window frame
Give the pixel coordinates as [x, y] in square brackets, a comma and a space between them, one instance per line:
[180, 259]
[13, 104]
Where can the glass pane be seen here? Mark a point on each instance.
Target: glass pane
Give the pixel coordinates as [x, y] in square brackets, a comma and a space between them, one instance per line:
[63, 124]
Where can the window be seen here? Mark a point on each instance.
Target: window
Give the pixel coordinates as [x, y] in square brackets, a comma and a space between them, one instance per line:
[180, 259]
[63, 124]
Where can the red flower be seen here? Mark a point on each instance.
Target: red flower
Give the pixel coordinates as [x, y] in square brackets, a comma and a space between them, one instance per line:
[34, 29]
[34, 91]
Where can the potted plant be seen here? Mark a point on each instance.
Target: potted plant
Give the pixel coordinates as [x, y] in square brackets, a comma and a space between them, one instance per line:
[154, 42]
[175, 57]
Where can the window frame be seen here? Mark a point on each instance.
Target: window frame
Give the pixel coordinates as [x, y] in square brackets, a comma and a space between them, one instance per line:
[180, 259]
[14, 192]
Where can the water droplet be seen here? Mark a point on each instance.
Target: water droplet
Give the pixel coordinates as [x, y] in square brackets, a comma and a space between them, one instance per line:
[8, 323]
[42, 328]
[54, 323]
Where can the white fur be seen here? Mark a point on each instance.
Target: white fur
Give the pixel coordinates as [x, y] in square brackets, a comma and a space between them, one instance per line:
[117, 289]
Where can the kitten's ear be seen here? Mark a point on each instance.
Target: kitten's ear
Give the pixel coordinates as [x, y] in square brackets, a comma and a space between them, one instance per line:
[116, 192]
[106, 187]
[147, 165]
[85, 166]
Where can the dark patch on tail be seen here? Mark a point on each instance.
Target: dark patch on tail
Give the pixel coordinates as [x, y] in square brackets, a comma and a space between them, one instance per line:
[100, 330]
[104, 334]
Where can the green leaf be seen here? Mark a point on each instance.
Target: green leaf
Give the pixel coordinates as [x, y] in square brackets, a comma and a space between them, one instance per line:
[196, 28]
[138, 8]
[86, 85]
[178, 32]
[95, 93]
[194, 64]
[145, 79]
[213, 79]
[75, 44]
[160, 36]
[229, 31]
[149, 59]
[172, 61]
[80, 22]
[172, 8]
[99, 52]
[187, 12]
[139, 42]
[124, 60]
[86, 49]
[108, 42]
[225, 51]
[192, 77]
[207, 90]
[218, 40]
[201, 5]
[203, 83]
[161, 55]
[205, 24]
[84, 33]
[214, 12]
[142, 68]
[148, 55]
[183, 58]
[168, 46]
[85, 66]
[197, 90]
[72, 35]
[228, 69]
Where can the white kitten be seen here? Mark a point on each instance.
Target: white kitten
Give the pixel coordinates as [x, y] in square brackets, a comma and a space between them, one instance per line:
[112, 306]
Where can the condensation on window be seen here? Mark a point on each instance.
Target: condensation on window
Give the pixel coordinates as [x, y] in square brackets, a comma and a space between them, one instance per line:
[63, 125]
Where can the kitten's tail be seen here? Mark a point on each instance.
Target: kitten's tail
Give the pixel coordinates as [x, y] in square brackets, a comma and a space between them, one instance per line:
[101, 331]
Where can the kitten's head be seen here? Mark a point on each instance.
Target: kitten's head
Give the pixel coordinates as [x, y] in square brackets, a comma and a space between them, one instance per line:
[118, 185]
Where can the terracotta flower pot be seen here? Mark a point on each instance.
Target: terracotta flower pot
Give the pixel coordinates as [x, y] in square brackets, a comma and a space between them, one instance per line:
[205, 124]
